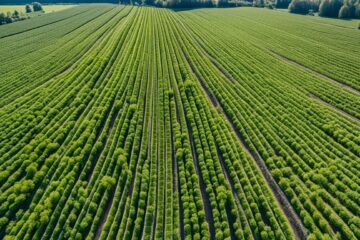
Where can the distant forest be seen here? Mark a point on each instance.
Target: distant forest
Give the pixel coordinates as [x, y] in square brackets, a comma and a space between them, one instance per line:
[163, 3]
[324, 8]
[12, 2]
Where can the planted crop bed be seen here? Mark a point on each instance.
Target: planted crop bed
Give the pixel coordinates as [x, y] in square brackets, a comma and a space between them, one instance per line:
[120, 122]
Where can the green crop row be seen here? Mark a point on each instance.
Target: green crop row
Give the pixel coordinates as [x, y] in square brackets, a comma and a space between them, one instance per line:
[282, 123]
[122, 122]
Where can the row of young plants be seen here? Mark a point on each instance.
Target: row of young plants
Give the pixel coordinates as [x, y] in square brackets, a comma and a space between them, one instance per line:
[200, 220]
[130, 206]
[16, 119]
[145, 217]
[343, 96]
[258, 224]
[309, 85]
[193, 222]
[52, 170]
[110, 160]
[153, 132]
[28, 43]
[346, 98]
[110, 226]
[41, 21]
[313, 30]
[24, 112]
[134, 199]
[349, 99]
[46, 63]
[74, 214]
[287, 131]
[315, 48]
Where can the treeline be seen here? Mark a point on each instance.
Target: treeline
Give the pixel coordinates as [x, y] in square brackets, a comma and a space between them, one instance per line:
[23, 2]
[325, 8]
[189, 3]
[161, 3]
[10, 17]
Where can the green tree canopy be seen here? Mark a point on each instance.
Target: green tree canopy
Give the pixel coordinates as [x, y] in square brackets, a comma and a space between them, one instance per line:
[28, 8]
[37, 7]
[299, 6]
[330, 8]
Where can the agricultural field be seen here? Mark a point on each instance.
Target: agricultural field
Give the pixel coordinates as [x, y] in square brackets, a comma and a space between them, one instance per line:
[47, 8]
[124, 122]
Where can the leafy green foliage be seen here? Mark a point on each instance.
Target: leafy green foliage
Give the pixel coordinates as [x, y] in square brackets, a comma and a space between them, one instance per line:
[300, 6]
[329, 8]
[145, 123]
[37, 7]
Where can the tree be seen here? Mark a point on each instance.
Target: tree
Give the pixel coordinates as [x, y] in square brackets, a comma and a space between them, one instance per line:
[3, 223]
[258, 3]
[349, 9]
[299, 6]
[37, 7]
[107, 182]
[8, 18]
[282, 3]
[2, 18]
[16, 14]
[345, 11]
[31, 170]
[28, 8]
[330, 8]
[357, 11]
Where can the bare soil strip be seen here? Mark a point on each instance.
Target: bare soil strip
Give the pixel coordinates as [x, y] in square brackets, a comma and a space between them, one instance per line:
[220, 68]
[207, 206]
[232, 186]
[222, 71]
[105, 215]
[294, 220]
[335, 108]
[157, 104]
[46, 24]
[176, 177]
[305, 68]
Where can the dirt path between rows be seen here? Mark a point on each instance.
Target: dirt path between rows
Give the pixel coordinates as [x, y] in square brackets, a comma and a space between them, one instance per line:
[347, 115]
[294, 220]
[110, 201]
[220, 68]
[232, 186]
[309, 70]
[105, 215]
[206, 201]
